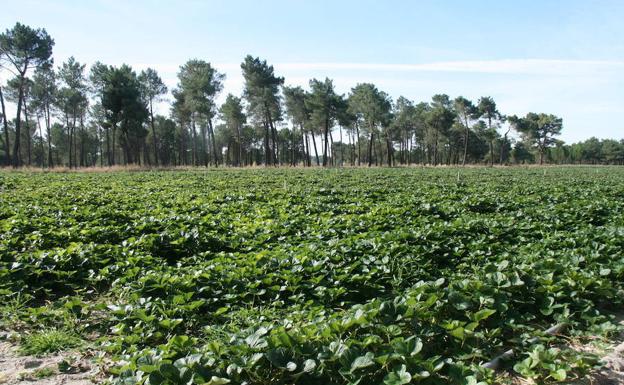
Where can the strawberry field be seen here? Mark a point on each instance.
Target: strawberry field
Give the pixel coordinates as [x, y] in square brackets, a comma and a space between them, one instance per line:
[379, 276]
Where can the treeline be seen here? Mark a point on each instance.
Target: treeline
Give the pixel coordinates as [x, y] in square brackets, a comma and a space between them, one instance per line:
[72, 116]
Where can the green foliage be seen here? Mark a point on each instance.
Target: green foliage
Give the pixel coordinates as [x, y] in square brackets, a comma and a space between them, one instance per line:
[315, 277]
[49, 341]
[200, 83]
[152, 86]
[261, 88]
[22, 48]
[261, 91]
[26, 47]
[552, 363]
[370, 105]
[371, 109]
[538, 129]
[325, 108]
[44, 372]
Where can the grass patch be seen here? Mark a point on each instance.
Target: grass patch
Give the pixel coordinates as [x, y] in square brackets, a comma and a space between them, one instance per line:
[43, 373]
[50, 341]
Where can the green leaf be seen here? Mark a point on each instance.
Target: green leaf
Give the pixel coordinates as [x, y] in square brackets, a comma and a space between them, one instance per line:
[221, 310]
[482, 314]
[169, 371]
[309, 365]
[559, 374]
[458, 333]
[255, 340]
[169, 324]
[214, 380]
[155, 378]
[362, 362]
[278, 357]
[398, 377]
[472, 380]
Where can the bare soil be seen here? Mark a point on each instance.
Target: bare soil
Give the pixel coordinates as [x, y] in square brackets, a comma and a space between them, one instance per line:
[612, 373]
[17, 369]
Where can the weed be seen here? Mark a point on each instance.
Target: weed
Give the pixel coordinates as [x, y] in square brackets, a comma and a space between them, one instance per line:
[49, 341]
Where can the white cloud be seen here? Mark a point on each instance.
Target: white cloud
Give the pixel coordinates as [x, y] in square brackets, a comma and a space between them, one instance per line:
[507, 66]
[555, 67]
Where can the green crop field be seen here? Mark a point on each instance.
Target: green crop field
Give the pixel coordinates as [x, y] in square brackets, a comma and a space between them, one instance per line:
[377, 276]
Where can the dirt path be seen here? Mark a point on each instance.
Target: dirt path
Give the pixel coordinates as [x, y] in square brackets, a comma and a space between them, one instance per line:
[16, 369]
[613, 371]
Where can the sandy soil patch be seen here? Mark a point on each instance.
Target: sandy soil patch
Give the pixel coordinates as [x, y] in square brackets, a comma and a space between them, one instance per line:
[17, 369]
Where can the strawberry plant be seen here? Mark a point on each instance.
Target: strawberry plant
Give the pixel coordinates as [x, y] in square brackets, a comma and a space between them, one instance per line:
[390, 276]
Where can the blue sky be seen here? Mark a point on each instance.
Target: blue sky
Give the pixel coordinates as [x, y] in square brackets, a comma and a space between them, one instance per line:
[564, 57]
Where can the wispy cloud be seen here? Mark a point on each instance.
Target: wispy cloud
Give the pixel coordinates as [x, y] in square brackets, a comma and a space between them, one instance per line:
[506, 66]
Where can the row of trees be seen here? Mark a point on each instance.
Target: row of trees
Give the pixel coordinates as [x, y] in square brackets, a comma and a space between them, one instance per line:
[68, 116]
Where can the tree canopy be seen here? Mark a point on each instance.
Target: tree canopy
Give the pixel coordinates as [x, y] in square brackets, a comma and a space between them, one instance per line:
[73, 116]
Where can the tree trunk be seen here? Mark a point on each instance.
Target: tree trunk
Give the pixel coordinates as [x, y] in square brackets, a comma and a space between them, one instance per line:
[357, 130]
[154, 139]
[28, 133]
[435, 149]
[331, 150]
[308, 156]
[7, 144]
[72, 140]
[351, 148]
[378, 159]
[147, 160]
[275, 150]
[194, 152]
[49, 133]
[108, 151]
[466, 132]
[503, 145]
[326, 143]
[41, 140]
[292, 150]
[304, 144]
[228, 160]
[239, 157]
[83, 160]
[126, 151]
[370, 150]
[69, 152]
[267, 153]
[18, 123]
[114, 133]
[214, 143]
[318, 163]
[341, 149]
[181, 145]
[204, 151]
[101, 150]
[309, 150]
